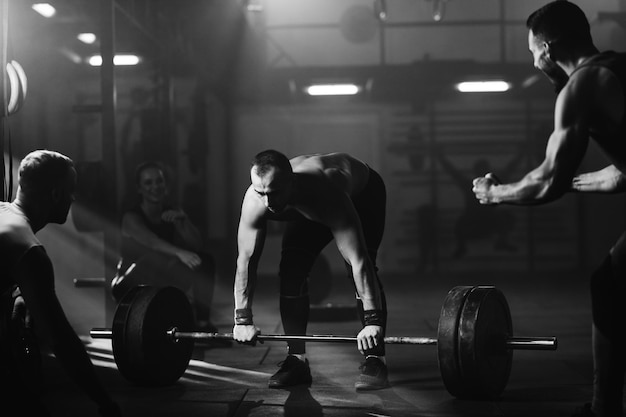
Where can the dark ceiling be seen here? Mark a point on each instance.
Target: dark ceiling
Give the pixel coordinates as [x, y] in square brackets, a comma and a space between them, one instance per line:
[182, 34]
[210, 40]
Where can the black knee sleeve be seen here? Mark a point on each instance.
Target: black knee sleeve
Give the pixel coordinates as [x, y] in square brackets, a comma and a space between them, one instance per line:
[294, 313]
[295, 266]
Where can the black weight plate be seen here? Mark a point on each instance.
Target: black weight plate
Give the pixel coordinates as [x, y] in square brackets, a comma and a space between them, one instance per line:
[146, 355]
[119, 336]
[484, 360]
[447, 340]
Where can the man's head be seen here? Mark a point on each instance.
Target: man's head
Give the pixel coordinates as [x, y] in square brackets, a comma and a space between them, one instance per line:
[48, 178]
[272, 179]
[150, 181]
[556, 32]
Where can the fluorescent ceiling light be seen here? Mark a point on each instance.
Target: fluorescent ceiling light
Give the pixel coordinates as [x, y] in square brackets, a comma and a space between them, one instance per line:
[483, 86]
[96, 60]
[254, 6]
[332, 89]
[44, 9]
[87, 38]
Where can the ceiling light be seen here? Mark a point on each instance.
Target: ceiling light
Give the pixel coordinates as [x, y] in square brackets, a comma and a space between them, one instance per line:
[332, 89]
[87, 38]
[380, 9]
[253, 6]
[96, 60]
[483, 86]
[44, 9]
[439, 9]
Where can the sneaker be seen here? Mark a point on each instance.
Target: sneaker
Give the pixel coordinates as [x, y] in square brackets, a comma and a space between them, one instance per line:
[584, 411]
[293, 371]
[373, 375]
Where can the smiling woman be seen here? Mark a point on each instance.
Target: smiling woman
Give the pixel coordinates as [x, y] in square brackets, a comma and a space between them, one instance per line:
[162, 247]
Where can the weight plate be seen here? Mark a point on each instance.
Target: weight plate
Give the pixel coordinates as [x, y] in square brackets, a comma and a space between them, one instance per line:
[447, 340]
[484, 360]
[143, 352]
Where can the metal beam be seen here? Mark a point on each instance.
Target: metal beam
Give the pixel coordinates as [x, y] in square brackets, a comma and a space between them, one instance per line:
[109, 151]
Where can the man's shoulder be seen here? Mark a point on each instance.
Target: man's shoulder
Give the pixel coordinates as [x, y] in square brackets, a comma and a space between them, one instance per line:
[252, 207]
[14, 227]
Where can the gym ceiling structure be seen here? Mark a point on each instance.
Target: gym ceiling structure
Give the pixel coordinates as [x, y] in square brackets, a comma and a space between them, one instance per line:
[217, 81]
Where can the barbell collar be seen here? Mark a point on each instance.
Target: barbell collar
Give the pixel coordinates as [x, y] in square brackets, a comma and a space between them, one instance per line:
[101, 333]
[532, 343]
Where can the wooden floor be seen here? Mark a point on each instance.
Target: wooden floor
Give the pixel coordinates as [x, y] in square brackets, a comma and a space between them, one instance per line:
[232, 381]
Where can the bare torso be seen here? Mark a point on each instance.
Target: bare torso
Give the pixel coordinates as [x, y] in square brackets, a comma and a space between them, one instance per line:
[607, 117]
[342, 170]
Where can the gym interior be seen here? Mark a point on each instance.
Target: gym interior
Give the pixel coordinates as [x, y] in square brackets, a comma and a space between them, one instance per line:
[212, 83]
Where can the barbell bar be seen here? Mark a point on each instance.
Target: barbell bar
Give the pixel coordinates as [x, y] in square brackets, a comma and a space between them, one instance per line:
[516, 343]
[474, 342]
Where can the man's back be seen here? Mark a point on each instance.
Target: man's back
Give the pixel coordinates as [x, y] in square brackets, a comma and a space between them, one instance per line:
[16, 237]
[343, 170]
[604, 76]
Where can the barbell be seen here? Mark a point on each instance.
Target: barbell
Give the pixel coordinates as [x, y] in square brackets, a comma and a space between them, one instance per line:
[153, 338]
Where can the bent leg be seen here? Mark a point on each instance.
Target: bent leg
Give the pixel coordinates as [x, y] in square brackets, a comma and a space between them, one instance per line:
[609, 347]
[203, 287]
[198, 284]
[303, 240]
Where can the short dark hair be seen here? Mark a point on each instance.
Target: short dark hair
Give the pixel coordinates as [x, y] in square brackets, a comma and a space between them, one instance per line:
[560, 21]
[43, 170]
[145, 166]
[268, 159]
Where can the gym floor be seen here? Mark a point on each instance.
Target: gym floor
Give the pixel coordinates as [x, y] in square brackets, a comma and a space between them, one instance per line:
[232, 380]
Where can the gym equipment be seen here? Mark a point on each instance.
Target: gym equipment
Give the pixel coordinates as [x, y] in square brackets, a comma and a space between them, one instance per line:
[153, 340]
[17, 87]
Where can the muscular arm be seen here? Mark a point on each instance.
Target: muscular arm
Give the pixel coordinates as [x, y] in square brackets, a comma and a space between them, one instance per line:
[250, 242]
[566, 146]
[607, 180]
[134, 227]
[35, 277]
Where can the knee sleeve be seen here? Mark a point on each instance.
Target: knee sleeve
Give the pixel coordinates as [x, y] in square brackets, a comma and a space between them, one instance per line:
[294, 313]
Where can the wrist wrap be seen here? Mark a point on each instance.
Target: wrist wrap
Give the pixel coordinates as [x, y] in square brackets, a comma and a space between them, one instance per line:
[373, 318]
[243, 316]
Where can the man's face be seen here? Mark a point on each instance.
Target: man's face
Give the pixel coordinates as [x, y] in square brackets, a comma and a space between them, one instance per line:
[273, 188]
[540, 51]
[64, 196]
[152, 186]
